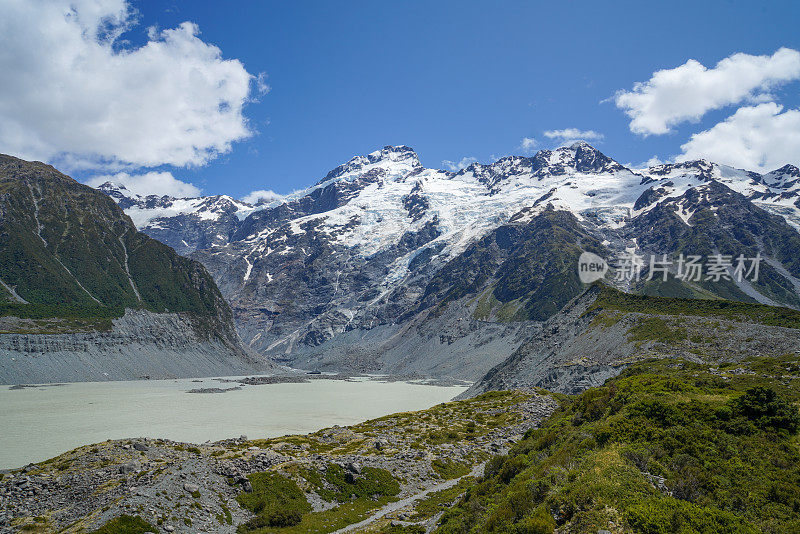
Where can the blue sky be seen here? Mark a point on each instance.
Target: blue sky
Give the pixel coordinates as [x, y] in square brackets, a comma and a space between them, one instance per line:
[451, 79]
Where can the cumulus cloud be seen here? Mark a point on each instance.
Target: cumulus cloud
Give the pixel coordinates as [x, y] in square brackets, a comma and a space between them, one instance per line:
[687, 92]
[463, 163]
[760, 138]
[75, 91]
[570, 135]
[262, 196]
[528, 145]
[151, 183]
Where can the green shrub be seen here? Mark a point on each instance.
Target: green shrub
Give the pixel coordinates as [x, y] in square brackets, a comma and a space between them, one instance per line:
[767, 410]
[447, 469]
[671, 446]
[668, 516]
[276, 500]
[541, 522]
[126, 524]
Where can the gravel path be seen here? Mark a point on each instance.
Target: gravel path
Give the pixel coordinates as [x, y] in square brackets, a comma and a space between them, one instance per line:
[477, 471]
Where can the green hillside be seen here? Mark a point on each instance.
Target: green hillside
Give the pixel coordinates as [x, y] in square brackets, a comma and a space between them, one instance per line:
[668, 446]
[67, 250]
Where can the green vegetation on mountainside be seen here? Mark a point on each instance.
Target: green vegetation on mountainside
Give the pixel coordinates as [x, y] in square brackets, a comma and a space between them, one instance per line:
[69, 251]
[126, 524]
[530, 269]
[613, 299]
[668, 446]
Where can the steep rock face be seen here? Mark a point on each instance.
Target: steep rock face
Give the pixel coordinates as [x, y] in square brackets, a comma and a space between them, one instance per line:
[382, 240]
[449, 344]
[69, 254]
[527, 265]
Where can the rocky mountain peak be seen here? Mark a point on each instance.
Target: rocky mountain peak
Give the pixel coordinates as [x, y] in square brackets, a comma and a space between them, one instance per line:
[119, 193]
[394, 160]
[111, 187]
[787, 170]
[394, 153]
[700, 167]
[578, 157]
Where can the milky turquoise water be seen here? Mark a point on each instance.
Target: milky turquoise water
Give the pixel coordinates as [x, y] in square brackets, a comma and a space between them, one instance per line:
[37, 424]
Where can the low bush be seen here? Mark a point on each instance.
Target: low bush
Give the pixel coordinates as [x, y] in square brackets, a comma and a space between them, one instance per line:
[126, 524]
[276, 500]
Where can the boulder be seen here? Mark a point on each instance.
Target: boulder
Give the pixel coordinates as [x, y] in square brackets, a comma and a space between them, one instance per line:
[354, 467]
[130, 467]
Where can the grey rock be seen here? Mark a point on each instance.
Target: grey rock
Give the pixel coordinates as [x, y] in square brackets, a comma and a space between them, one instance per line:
[130, 467]
[354, 467]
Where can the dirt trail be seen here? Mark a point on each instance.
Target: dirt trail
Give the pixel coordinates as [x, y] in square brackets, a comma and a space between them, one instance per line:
[477, 471]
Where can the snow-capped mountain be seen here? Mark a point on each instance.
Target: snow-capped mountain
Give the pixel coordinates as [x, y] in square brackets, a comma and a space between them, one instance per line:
[777, 192]
[185, 224]
[382, 239]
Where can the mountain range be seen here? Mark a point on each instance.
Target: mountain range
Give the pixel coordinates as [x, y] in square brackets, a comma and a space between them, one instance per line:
[384, 265]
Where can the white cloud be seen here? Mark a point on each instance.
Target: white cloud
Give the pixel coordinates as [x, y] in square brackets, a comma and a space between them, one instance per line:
[760, 138]
[528, 145]
[74, 91]
[463, 163]
[151, 183]
[654, 161]
[263, 196]
[687, 92]
[261, 84]
[570, 135]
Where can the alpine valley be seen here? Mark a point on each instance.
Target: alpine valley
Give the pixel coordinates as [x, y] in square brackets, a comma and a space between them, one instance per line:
[649, 404]
[385, 266]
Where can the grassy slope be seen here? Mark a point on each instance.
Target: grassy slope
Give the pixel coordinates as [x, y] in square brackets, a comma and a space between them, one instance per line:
[612, 299]
[665, 447]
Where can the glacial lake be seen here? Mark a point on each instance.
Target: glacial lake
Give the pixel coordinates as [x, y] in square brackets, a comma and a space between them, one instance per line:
[42, 422]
